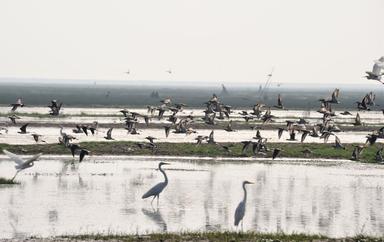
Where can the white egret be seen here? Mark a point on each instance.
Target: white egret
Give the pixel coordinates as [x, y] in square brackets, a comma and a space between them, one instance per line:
[20, 163]
[157, 189]
[240, 210]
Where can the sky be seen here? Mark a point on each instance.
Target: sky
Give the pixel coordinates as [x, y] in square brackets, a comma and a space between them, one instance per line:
[201, 41]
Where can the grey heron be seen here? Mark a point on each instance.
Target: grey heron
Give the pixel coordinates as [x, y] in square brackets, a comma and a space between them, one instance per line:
[240, 210]
[157, 189]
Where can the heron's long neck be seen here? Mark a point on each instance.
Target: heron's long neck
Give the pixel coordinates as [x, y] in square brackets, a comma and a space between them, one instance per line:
[165, 175]
[245, 193]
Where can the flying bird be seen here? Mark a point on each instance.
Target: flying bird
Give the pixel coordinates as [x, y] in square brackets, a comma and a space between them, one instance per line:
[19, 103]
[109, 134]
[20, 163]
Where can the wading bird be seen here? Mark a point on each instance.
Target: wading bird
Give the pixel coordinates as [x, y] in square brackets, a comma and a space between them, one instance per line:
[157, 189]
[240, 210]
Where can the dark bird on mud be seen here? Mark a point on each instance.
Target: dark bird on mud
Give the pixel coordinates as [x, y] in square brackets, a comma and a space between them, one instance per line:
[357, 120]
[23, 129]
[167, 129]
[292, 135]
[258, 135]
[346, 113]
[109, 134]
[211, 138]
[276, 152]
[304, 135]
[158, 188]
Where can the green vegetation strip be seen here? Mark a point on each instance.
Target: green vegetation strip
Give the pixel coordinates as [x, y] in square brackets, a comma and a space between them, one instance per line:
[5, 181]
[291, 150]
[215, 236]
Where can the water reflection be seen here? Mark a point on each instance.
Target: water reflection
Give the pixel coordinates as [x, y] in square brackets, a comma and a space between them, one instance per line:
[105, 196]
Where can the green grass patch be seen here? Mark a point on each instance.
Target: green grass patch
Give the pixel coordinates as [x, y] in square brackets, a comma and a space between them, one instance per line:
[290, 150]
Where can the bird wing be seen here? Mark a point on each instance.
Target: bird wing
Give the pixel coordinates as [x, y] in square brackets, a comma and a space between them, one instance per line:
[33, 158]
[17, 159]
[24, 127]
[239, 213]
[377, 68]
[154, 191]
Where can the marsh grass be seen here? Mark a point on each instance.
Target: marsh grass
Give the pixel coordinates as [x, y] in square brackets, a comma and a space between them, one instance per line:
[291, 150]
[224, 236]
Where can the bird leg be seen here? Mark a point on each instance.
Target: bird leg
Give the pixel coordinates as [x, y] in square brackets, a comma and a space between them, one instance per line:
[13, 178]
[153, 199]
[158, 196]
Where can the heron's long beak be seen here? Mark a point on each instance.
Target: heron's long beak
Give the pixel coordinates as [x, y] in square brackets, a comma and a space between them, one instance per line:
[166, 163]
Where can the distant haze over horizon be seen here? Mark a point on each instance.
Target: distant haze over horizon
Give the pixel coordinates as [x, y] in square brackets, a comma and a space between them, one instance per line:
[156, 84]
[192, 42]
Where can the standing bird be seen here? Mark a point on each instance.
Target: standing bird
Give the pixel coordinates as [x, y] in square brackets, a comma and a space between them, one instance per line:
[357, 120]
[20, 163]
[157, 189]
[109, 134]
[240, 210]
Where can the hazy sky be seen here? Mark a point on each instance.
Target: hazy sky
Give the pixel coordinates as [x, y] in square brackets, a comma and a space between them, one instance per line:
[204, 41]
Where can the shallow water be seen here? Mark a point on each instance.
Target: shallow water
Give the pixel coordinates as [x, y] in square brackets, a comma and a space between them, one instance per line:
[103, 195]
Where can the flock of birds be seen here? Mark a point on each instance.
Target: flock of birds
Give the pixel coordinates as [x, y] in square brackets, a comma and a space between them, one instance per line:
[215, 110]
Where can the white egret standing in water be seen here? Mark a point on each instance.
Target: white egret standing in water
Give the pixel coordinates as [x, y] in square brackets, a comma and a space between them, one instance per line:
[157, 189]
[240, 210]
[20, 163]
